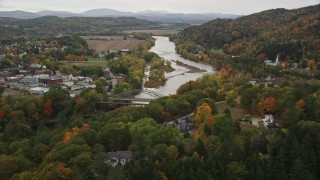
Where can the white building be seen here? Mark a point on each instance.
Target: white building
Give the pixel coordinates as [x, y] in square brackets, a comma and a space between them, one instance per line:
[38, 90]
[267, 120]
[271, 63]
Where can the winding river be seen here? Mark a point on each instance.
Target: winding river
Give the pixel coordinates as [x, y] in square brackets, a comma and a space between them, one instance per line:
[166, 49]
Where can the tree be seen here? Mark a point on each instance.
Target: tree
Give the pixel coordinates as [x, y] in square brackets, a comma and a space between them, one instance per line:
[2, 114]
[300, 105]
[7, 166]
[60, 99]
[269, 104]
[203, 114]
[48, 108]
[248, 97]
[224, 73]
[115, 136]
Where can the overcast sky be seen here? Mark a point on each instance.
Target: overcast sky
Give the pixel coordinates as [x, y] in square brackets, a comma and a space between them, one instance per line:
[182, 6]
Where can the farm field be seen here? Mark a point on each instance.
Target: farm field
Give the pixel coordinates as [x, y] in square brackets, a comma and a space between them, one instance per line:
[154, 32]
[113, 43]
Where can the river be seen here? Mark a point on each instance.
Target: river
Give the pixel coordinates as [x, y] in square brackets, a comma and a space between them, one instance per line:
[166, 49]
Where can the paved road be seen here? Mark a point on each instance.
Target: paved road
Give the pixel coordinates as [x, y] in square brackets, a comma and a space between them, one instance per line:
[255, 121]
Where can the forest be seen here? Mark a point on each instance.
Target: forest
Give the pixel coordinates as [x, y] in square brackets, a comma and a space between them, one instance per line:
[51, 137]
[56, 136]
[55, 26]
[291, 34]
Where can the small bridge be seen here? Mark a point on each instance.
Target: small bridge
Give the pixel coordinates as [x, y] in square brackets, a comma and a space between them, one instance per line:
[133, 97]
[140, 95]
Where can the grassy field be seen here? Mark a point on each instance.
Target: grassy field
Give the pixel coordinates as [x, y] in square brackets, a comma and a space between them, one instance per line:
[92, 59]
[154, 32]
[236, 113]
[112, 43]
[102, 64]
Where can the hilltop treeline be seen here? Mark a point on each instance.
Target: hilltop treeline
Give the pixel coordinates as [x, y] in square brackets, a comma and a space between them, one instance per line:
[53, 26]
[292, 34]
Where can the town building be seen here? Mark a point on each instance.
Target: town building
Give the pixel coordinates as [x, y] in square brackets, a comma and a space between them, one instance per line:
[51, 81]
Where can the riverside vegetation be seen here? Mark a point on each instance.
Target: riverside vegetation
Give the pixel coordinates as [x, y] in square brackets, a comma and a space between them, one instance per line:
[218, 147]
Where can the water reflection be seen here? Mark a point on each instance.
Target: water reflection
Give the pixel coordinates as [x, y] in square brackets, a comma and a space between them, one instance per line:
[166, 49]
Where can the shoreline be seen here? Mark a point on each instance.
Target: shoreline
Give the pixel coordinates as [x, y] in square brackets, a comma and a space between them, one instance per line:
[192, 69]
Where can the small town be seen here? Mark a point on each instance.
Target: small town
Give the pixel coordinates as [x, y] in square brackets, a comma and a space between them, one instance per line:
[143, 90]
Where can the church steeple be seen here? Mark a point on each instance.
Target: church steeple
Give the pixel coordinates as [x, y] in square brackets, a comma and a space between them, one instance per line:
[277, 60]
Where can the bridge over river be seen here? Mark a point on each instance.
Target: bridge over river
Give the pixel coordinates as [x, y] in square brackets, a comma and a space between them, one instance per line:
[133, 97]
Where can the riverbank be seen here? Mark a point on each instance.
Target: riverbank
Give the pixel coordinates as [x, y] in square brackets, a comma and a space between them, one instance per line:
[182, 73]
[154, 84]
[192, 69]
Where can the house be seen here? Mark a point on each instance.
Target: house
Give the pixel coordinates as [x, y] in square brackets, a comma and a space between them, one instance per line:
[35, 66]
[5, 73]
[2, 80]
[38, 90]
[29, 80]
[125, 51]
[268, 121]
[118, 158]
[51, 81]
[171, 123]
[13, 79]
[185, 124]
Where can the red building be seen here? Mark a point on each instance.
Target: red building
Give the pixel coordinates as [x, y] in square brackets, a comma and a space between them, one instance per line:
[51, 81]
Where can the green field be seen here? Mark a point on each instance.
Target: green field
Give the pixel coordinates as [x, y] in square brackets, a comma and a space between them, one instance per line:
[92, 59]
[102, 64]
[236, 112]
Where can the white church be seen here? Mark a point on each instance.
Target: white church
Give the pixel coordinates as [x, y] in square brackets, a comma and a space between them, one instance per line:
[271, 63]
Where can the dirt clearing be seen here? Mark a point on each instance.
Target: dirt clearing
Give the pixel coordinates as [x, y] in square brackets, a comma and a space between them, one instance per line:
[112, 43]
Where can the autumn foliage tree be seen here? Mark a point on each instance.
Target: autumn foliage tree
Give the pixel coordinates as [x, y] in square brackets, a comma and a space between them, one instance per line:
[74, 132]
[204, 113]
[48, 108]
[224, 73]
[300, 105]
[269, 104]
[262, 56]
[2, 113]
[64, 172]
[286, 64]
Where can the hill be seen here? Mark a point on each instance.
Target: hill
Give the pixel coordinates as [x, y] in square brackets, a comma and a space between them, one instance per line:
[53, 26]
[293, 33]
[159, 16]
[18, 14]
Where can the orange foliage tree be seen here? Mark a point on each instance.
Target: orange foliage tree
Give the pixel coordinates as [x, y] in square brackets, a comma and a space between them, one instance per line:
[64, 172]
[300, 105]
[262, 57]
[48, 108]
[204, 112]
[312, 64]
[269, 104]
[2, 113]
[286, 64]
[75, 131]
[224, 73]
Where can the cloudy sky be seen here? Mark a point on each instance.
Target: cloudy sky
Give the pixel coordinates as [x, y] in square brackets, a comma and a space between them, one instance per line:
[182, 6]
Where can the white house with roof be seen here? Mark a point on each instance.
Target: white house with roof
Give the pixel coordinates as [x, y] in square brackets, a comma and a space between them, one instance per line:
[267, 120]
[118, 158]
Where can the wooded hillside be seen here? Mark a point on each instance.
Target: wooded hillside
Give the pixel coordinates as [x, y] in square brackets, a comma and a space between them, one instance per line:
[52, 26]
[295, 34]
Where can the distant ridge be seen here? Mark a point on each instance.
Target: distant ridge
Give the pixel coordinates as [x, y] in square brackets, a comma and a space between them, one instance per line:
[159, 16]
[19, 14]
